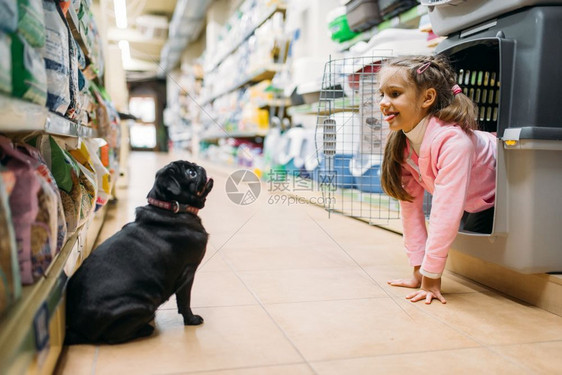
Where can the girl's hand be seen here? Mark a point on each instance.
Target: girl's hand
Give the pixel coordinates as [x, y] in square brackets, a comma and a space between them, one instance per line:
[412, 282]
[430, 289]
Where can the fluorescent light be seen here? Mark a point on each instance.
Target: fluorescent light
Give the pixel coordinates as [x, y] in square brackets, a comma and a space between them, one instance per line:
[125, 52]
[120, 9]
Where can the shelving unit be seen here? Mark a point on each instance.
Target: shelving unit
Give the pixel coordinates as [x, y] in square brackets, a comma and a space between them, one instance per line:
[259, 75]
[214, 135]
[32, 328]
[319, 108]
[26, 332]
[21, 116]
[267, 15]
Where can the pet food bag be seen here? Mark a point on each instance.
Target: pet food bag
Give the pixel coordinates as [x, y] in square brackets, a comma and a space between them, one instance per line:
[34, 256]
[57, 59]
[5, 62]
[31, 22]
[88, 189]
[75, 106]
[10, 283]
[58, 223]
[102, 114]
[8, 15]
[102, 174]
[88, 180]
[29, 78]
[66, 175]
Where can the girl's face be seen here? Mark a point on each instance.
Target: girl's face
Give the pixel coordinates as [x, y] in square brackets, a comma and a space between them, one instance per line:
[402, 106]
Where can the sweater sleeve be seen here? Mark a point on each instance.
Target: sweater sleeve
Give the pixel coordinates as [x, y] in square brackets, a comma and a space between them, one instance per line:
[413, 220]
[455, 154]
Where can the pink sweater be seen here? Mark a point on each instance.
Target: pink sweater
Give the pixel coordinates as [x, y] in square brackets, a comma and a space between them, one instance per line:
[459, 170]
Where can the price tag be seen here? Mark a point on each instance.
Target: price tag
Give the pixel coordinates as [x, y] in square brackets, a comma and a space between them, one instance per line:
[41, 327]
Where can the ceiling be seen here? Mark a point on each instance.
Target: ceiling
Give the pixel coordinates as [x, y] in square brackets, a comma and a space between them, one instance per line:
[146, 32]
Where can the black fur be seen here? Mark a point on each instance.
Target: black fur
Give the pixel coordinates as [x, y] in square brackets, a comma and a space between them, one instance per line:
[114, 295]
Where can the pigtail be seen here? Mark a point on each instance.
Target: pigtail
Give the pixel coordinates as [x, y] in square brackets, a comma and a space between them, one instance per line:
[461, 111]
[391, 174]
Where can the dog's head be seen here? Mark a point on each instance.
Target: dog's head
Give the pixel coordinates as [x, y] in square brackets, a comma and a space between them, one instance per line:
[182, 181]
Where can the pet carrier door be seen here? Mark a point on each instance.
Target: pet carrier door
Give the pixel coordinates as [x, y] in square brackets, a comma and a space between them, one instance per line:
[350, 141]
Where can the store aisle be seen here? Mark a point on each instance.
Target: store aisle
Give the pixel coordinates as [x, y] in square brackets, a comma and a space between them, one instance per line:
[288, 290]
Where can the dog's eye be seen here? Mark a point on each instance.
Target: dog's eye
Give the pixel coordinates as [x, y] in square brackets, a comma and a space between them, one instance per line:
[192, 173]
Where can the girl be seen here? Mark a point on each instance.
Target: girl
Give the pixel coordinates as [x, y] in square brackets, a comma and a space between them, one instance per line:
[433, 146]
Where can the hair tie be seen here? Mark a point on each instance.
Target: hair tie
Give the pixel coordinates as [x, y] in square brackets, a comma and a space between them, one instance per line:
[423, 67]
[456, 89]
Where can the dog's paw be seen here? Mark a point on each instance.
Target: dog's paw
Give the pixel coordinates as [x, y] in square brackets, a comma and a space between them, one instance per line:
[193, 320]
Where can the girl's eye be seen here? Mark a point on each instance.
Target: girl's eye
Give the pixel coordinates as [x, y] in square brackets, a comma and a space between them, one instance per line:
[192, 173]
[395, 94]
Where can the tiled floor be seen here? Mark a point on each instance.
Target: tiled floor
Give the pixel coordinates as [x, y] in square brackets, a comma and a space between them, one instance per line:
[289, 290]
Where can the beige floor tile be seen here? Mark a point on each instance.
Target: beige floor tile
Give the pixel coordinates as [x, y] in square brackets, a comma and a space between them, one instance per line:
[462, 361]
[270, 370]
[492, 319]
[375, 254]
[279, 286]
[231, 337]
[76, 360]
[356, 328]
[214, 289]
[213, 261]
[278, 257]
[541, 358]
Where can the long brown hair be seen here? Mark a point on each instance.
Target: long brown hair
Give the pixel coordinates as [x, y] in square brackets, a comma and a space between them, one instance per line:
[457, 109]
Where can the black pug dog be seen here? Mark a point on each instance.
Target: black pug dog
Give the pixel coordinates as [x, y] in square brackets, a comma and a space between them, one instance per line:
[114, 295]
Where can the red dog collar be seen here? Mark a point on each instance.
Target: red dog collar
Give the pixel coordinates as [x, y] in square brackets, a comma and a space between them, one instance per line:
[173, 206]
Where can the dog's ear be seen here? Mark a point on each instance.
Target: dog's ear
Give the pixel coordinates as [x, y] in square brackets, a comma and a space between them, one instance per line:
[173, 186]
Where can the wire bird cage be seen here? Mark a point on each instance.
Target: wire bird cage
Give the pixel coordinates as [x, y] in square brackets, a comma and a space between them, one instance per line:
[350, 141]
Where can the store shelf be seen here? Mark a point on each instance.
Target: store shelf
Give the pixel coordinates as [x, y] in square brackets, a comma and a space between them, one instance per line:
[323, 108]
[214, 135]
[23, 328]
[267, 15]
[408, 19]
[274, 103]
[258, 75]
[21, 116]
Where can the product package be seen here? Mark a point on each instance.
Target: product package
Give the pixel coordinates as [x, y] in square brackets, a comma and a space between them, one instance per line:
[44, 172]
[31, 22]
[88, 180]
[5, 62]
[34, 210]
[75, 105]
[57, 58]
[29, 77]
[102, 174]
[8, 16]
[66, 173]
[10, 283]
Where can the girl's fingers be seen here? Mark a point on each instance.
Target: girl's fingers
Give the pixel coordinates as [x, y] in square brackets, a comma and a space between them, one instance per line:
[429, 296]
[416, 296]
[441, 298]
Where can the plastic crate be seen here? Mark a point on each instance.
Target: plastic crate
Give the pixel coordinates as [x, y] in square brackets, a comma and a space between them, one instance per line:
[362, 14]
[391, 8]
[449, 16]
[518, 50]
